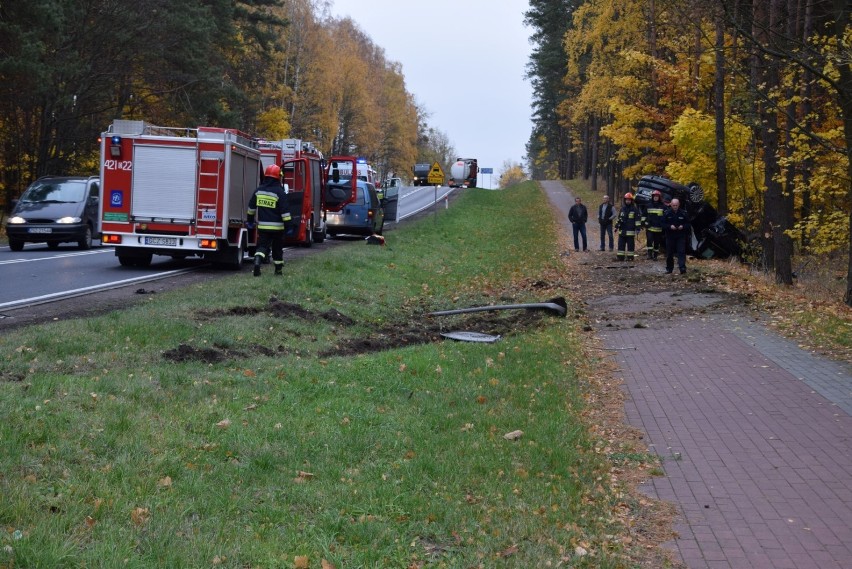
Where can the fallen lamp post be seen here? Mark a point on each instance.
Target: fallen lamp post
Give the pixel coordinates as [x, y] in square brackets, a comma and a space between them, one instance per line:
[557, 305]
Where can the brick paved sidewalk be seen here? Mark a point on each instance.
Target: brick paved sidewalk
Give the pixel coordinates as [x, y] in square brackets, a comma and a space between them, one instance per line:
[758, 462]
[754, 434]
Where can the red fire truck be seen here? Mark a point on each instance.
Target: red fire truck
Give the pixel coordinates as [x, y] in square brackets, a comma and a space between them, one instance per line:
[178, 192]
[303, 169]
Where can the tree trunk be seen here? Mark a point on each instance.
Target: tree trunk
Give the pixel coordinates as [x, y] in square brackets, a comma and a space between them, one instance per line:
[594, 152]
[807, 109]
[767, 133]
[587, 148]
[779, 203]
[841, 23]
[570, 168]
[777, 245]
[719, 110]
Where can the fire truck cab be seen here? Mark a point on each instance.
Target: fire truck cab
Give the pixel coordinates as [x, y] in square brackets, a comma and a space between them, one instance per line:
[178, 192]
[303, 171]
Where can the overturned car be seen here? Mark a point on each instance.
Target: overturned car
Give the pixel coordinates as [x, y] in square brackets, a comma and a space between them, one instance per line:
[716, 237]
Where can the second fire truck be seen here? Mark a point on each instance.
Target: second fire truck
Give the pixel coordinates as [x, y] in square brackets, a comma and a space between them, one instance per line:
[304, 174]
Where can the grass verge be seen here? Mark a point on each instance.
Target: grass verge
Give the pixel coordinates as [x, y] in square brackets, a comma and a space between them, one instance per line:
[316, 419]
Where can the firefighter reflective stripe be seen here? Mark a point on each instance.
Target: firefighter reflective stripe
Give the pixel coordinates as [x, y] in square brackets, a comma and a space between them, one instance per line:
[275, 225]
[655, 218]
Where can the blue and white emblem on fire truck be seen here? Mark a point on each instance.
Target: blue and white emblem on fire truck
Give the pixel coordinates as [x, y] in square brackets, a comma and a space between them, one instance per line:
[116, 198]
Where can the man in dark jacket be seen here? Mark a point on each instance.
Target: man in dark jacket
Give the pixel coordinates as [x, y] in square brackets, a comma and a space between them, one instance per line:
[606, 215]
[268, 205]
[676, 225]
[578, 215]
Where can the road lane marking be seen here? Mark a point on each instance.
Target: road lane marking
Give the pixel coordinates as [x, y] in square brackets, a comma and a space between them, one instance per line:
[427, 206]
[61, 256]
[90, 289]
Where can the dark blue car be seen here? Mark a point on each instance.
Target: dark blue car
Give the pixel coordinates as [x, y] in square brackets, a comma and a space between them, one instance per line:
[364, 215]
[54, 210]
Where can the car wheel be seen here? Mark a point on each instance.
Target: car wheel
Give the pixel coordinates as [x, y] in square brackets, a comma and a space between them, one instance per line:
[696, 193]
[16, 245]
[126, 261]
[145, 260]
[86, 241]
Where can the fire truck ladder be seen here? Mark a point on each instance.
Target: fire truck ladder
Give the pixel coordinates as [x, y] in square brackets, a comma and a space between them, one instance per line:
[210, 166]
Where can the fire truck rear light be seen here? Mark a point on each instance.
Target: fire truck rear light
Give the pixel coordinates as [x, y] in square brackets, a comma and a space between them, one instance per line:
[111, 239]
[208, 244]
[115, 147]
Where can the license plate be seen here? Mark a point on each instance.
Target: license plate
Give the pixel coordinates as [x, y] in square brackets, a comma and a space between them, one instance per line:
[164, 241]
[39, 230]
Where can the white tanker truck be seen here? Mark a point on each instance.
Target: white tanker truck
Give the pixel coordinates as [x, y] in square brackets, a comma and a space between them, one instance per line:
[463, 173]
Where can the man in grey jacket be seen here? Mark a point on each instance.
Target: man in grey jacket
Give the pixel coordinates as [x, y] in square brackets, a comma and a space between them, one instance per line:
[606, 215]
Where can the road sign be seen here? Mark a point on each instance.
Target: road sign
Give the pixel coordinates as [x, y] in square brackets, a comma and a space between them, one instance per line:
[486, 170]
[436, 175]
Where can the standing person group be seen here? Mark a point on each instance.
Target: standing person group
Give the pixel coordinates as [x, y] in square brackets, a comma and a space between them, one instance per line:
[578, 215]
[268, 205]
[667, 226]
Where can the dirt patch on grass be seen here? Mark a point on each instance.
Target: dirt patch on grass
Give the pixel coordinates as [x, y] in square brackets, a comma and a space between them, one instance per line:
[280, 309]
[218, 353]
[430, 328]
[418, 329]
[12, 377]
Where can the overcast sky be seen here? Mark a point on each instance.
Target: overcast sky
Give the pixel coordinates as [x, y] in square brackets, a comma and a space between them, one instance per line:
[464, 61]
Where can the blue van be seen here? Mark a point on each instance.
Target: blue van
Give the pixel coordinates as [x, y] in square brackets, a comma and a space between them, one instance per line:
[54, 210]
[364, 215]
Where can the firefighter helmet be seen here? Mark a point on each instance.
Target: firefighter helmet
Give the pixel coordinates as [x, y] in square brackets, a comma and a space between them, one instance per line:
[273, 171]
[628, 196]
[656, 193]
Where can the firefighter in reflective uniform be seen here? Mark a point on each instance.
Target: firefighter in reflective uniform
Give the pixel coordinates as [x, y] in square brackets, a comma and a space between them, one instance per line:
[628, 225]
[268, 205]
[654, 224]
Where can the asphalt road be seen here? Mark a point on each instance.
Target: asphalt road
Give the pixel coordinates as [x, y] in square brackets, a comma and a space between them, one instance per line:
[35, 282]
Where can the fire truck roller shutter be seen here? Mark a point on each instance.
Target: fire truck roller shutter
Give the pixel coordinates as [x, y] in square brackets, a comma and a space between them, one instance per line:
[242, 181]
[164, 180]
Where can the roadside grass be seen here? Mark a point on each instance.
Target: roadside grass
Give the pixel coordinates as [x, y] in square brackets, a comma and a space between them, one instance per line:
[236, 424]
